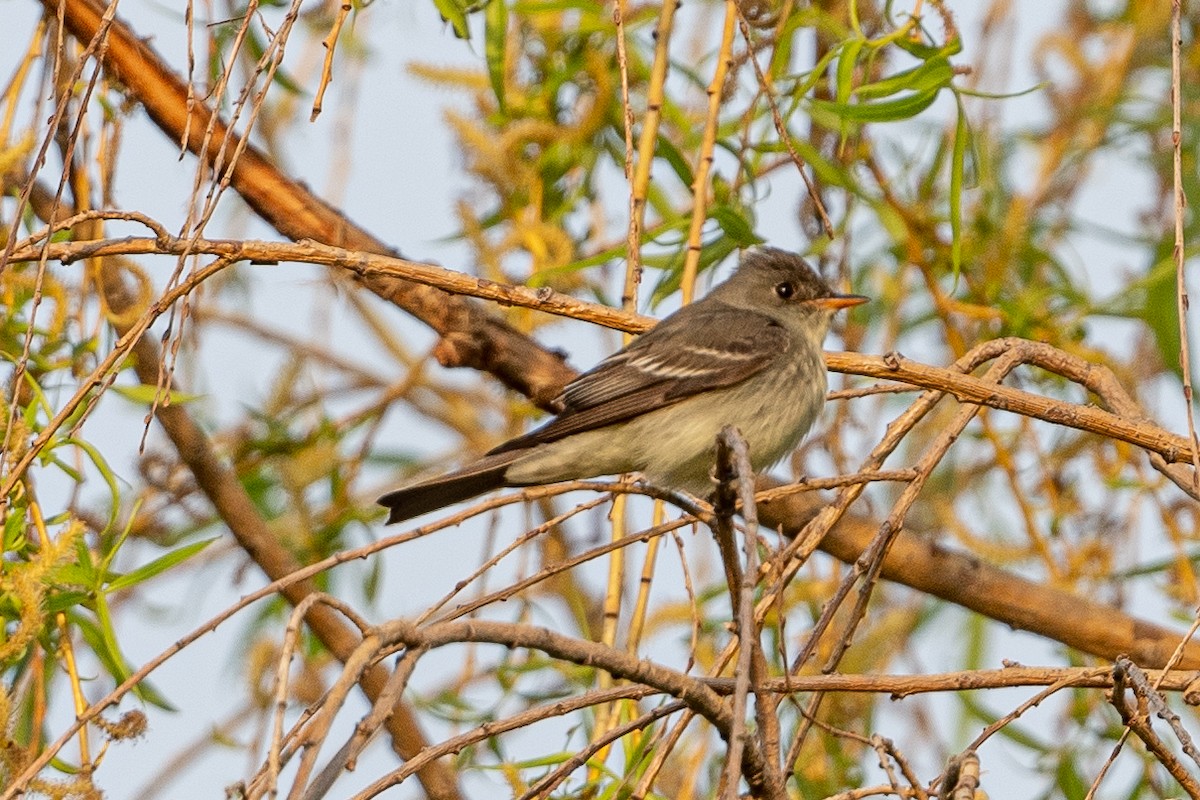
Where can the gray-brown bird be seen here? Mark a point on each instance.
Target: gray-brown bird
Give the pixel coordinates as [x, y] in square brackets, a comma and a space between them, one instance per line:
[748, 355]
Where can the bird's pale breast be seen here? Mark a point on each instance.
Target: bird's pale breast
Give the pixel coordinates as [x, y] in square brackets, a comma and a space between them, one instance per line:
[675, 446]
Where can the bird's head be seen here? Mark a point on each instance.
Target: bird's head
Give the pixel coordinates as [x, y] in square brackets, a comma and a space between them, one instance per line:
[783, 285]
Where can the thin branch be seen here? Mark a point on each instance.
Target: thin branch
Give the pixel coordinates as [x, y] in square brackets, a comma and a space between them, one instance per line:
[898, 687]
[547, 784]
[724, 508]
[781, 129]
[707, 145]
[1138, 723]
[362, 263]
[619, 664]
[1181, 292]
[1127, 424]
[330, 45]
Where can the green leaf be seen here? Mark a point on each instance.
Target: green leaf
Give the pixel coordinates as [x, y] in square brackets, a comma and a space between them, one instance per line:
[83, 575]
[885, 111]
[1067, 777]
[827, 171]
[455, 13]
[1037, 87]
[918, 48]
[160, 564]
[736, 226]
[495, 39]
[666, 149]
[29, 417]
[373, 581]
[529, 7]
[67, 469]
[847, 60]
[935, 73]
[110, 478]
[1159, 309]
[66, 600]
[102, 640]
[15, 539]
[83, 557]
[42, 401]
[114, 547]
[813, 76]
[144, 394]
[711, 253]
[957, 170]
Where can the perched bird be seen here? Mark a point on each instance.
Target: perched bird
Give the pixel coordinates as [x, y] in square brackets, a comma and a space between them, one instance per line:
[748, 355]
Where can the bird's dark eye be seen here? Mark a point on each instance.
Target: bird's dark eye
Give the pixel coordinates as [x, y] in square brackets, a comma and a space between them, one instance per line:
[785, 290]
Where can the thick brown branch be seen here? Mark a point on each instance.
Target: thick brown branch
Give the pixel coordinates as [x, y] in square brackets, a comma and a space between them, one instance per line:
[1091, 627]
[960, 578]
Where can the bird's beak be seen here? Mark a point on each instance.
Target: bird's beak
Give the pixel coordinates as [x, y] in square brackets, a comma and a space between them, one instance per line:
[836, 301]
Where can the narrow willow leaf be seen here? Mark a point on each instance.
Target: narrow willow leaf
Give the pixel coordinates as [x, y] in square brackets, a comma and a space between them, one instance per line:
[886, 111]
[957, 170]
[935, 73]
[845, 69]
[495, 39]
[144, 394]
[110, 478]
[919, 49]
[736, 226]
[667, 150]
[158, 565]
[455, 13]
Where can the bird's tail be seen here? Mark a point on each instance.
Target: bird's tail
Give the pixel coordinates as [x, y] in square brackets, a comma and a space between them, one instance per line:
[475, 479]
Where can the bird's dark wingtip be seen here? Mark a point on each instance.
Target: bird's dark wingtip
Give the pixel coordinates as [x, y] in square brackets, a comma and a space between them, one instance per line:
[413, 501]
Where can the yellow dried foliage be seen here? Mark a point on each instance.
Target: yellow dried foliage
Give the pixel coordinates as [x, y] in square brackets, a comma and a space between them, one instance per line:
[27, 583]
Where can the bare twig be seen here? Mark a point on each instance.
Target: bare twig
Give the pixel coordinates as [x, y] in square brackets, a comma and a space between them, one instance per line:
[901, 686]
[724, 507]
[749, 631]
[1140, 683]
[286, 653]
[781, 129]
[547, 784]
[707, 145]
[1138, 722]
[330, 45]
[1179, 253]
[1125, 422]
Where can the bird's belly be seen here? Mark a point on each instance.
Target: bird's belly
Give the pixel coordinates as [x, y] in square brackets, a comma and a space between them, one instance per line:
[675, 447]
[772, 423]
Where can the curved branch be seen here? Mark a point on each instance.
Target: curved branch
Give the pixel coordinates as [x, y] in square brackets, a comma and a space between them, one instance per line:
[1125, 422]
[621, 665]
[967, 388]
[364, 264]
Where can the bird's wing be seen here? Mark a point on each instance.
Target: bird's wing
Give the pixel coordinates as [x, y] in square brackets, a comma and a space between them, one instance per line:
[689, 352]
